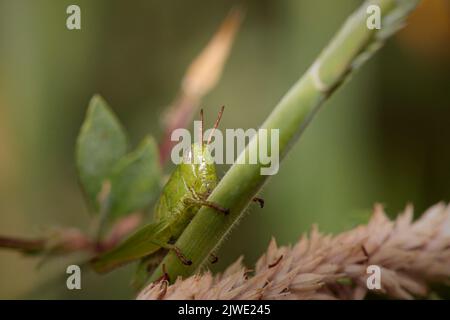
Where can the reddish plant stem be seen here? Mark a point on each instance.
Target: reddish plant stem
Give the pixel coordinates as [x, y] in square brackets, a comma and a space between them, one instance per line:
[24, 245]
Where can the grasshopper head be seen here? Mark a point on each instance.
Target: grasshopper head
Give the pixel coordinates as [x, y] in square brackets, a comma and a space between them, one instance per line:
[202, 171]
[198, 164]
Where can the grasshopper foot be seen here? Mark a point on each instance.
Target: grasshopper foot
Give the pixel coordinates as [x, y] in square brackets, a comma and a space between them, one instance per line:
[260, 201]
[213, 258]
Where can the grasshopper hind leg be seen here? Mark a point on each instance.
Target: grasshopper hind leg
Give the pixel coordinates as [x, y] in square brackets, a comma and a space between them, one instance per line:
[164, 278]
[145, 268]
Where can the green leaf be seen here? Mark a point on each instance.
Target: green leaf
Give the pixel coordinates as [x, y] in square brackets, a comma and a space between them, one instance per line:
[100, 144]
[135, 180]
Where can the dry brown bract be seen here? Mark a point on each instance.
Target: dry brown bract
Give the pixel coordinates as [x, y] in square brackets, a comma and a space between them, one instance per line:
[410, 255]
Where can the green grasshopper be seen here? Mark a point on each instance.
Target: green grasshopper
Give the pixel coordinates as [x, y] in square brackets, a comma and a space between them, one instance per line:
[185, 192]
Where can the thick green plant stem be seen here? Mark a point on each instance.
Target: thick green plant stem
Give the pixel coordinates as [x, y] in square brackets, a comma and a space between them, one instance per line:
[353, 44]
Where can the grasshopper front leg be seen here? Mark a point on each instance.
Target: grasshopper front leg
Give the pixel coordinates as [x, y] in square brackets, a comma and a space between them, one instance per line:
[200, 200]
[206, 203]
[217, 207]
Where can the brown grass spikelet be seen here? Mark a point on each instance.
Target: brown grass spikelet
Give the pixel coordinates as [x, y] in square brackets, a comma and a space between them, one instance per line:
[410, 255]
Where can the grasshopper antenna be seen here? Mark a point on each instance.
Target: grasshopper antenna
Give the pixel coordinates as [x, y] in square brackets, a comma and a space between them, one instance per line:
[216, 124]
[201, 128]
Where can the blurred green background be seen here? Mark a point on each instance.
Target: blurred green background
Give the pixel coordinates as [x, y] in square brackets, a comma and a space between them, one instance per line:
[384, 137]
